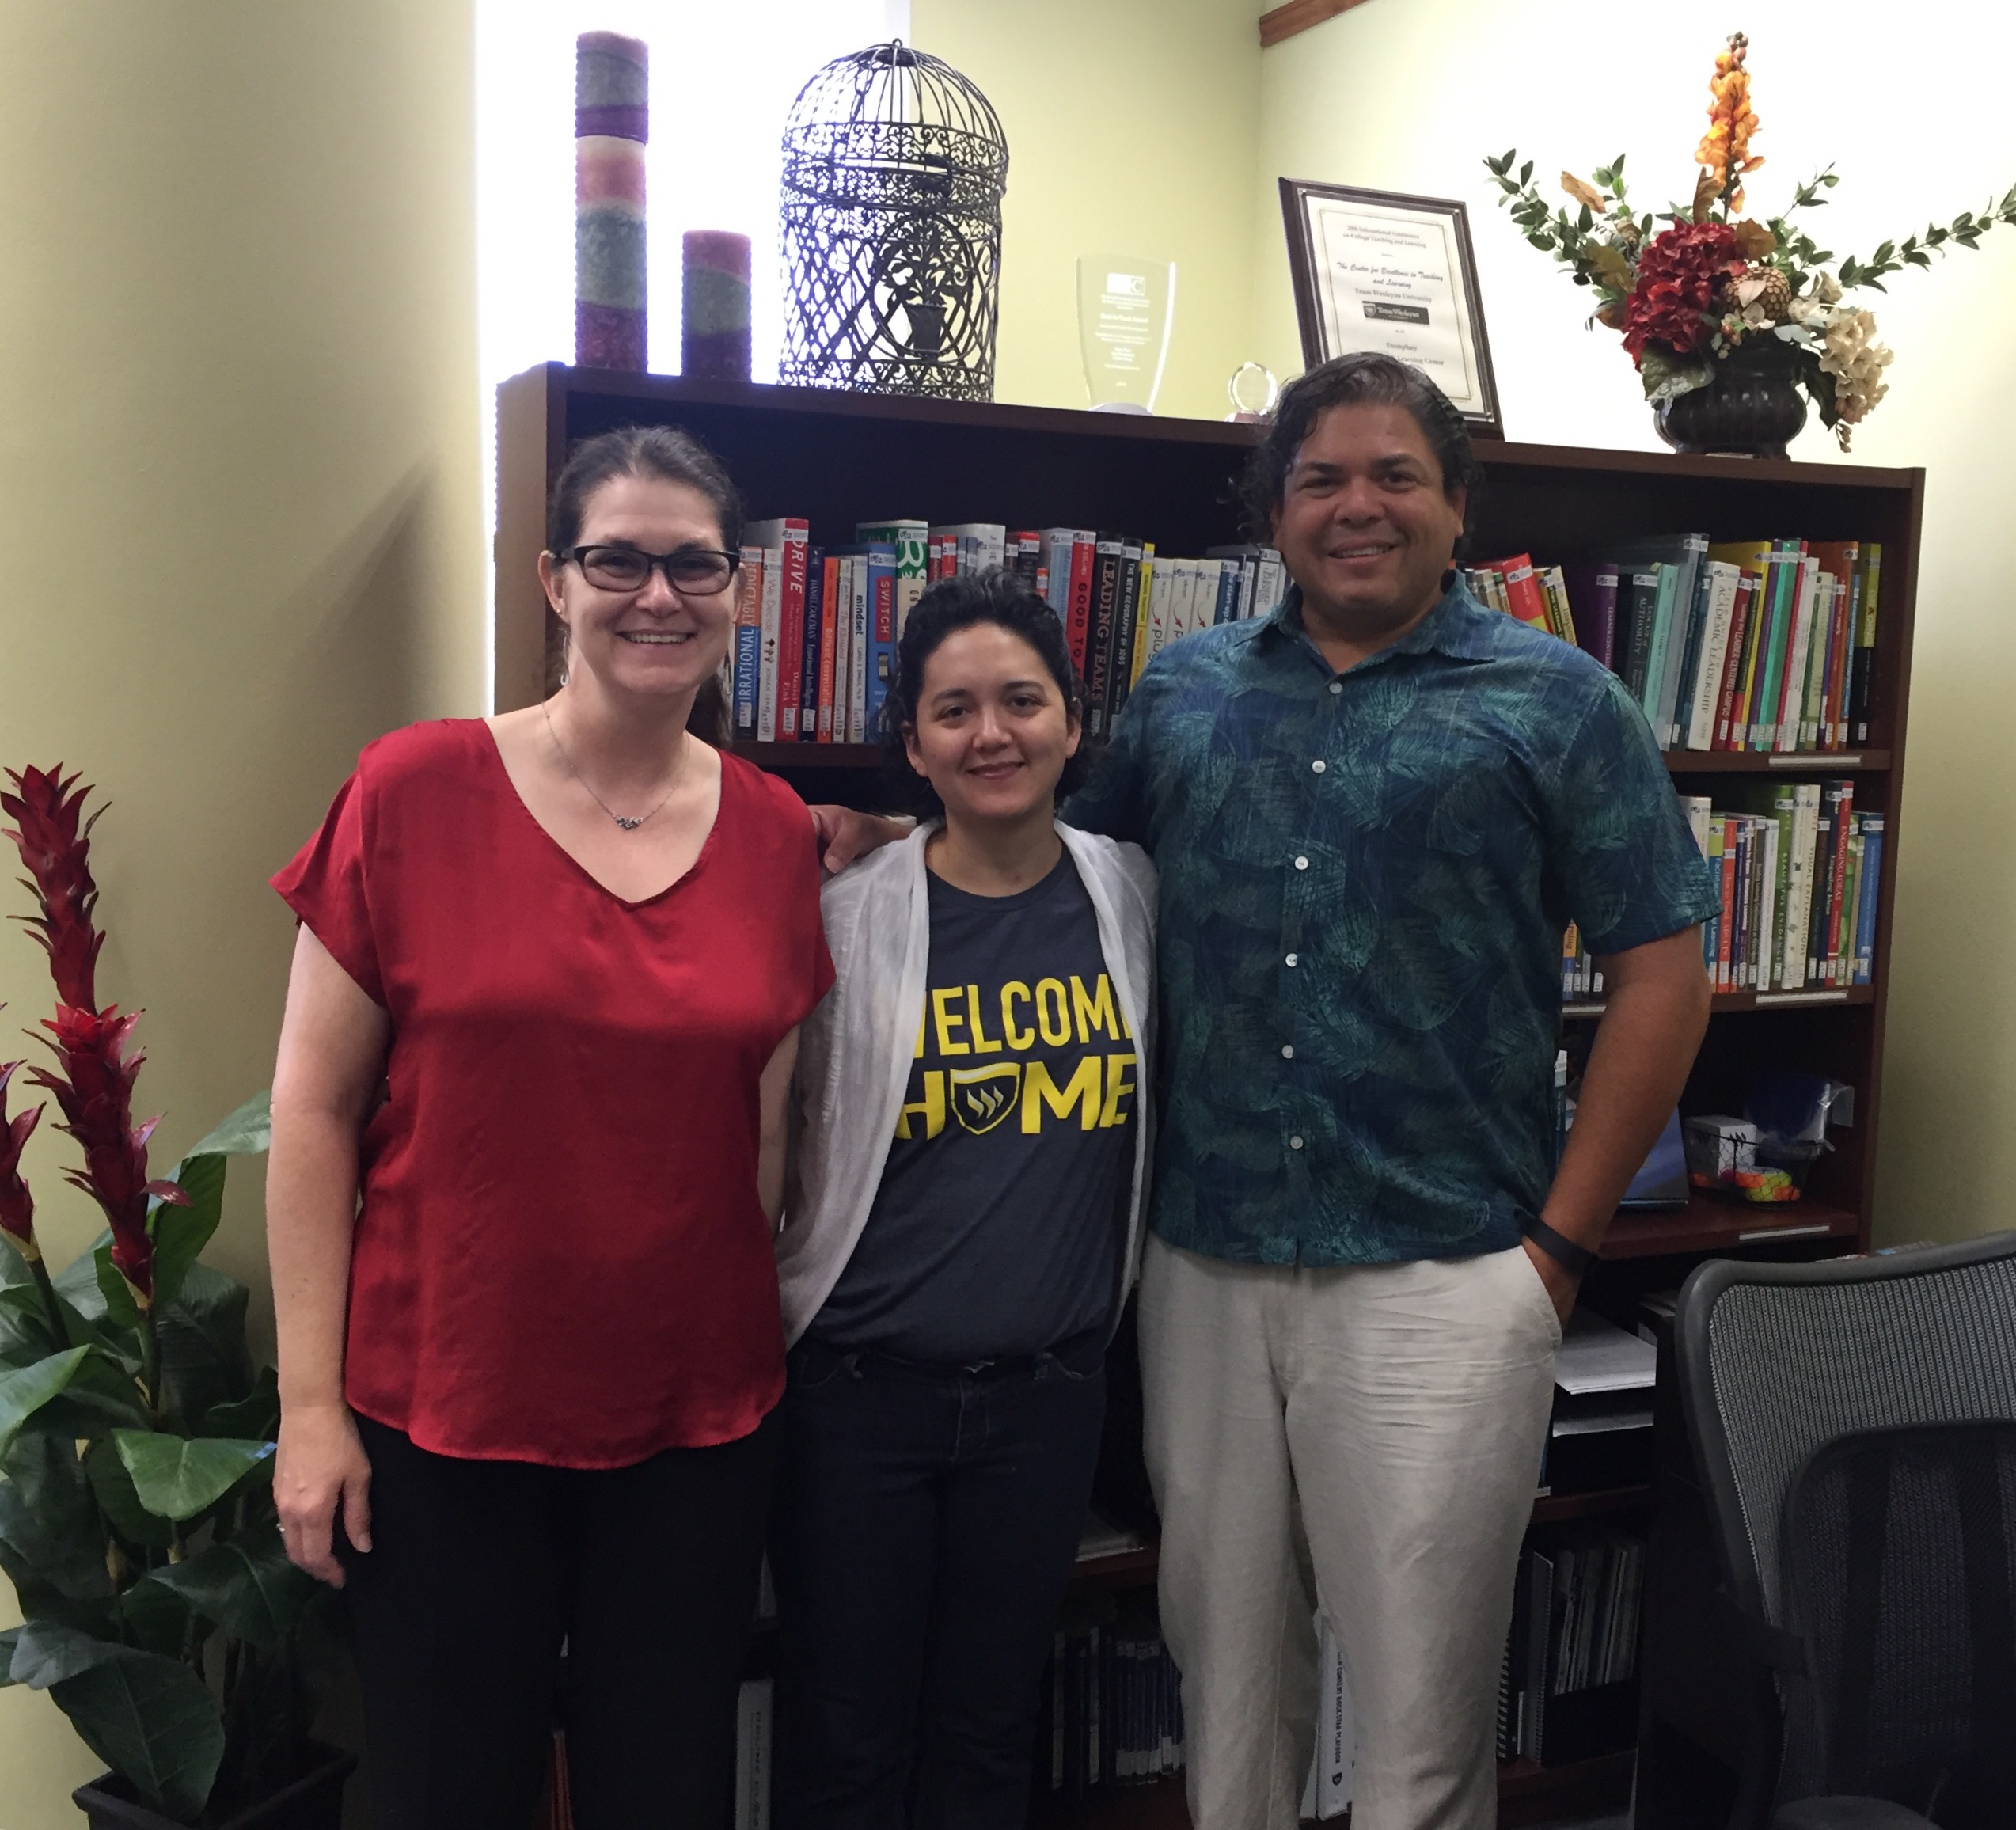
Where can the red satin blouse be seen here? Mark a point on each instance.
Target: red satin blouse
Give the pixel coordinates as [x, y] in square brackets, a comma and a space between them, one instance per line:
[561, 1256]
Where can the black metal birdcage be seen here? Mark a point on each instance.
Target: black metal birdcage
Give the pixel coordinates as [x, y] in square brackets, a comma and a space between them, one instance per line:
[895, 165]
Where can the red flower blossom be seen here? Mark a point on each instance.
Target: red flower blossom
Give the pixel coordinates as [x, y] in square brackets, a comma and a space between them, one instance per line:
[95, 1091]
[57, 852]
[1679, 274]
[17, 1205]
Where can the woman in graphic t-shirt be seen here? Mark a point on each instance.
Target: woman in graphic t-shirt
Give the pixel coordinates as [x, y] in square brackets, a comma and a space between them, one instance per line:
[959, 1236]
[527, 1148]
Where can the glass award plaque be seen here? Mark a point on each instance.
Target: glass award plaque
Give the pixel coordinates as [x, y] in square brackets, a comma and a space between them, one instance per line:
[1126, 305]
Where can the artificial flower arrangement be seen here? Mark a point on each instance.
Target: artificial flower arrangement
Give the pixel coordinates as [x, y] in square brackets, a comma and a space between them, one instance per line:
[137, 1521]
[1715, 281]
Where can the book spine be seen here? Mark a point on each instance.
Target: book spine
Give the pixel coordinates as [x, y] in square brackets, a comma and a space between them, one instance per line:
[1682, 639]
[1110, 560]
[1152, 621]
[1652, 695]
[882, 581]
[830, 625]
[860, 656]
[1792, 687]
[1119, 679]
[749, 641]
[1846, 936]
[808, 659]
[1714, 652]
[791, 631]
[1638, 597]
[1722, 857]
[1753, 638]
[1078, 623]
[1739, 627]
[1843, 794]
[1778, 639]
[770, 630]
[1785, 820]
[1862, 708]
[1872, 885]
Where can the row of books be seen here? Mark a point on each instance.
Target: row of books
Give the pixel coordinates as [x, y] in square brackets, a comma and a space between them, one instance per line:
[1566, 1685]
[1750, 645]
[817, 627]
[1800, 867]
[1112, 1711]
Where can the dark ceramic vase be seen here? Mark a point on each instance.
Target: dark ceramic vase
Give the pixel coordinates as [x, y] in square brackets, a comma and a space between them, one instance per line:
[314, 1801]
[1753, 408]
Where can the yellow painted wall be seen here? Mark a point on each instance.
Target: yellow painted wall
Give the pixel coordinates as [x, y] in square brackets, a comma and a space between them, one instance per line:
[1131, 127]
[1406, 95]
[239, 443]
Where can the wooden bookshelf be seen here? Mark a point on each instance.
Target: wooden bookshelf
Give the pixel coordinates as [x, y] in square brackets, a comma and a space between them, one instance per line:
[838, 459]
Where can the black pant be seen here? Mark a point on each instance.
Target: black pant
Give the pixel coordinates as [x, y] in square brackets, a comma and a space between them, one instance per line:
[480, 1569]
[927, 1522]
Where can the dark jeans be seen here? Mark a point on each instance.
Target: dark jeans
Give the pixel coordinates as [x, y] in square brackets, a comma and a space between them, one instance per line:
[480, 1569]
[927, 1522]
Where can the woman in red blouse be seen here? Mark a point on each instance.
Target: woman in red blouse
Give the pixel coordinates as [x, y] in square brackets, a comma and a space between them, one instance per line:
[527, 1147]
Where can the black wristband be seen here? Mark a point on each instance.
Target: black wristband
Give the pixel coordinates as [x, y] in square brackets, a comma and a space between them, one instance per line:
[1575, 1259]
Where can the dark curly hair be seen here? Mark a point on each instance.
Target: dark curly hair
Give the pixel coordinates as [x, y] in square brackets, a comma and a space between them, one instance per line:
[1355, 381]
[996, 596]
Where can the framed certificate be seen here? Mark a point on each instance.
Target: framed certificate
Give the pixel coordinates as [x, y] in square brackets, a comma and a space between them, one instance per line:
[1374, 271]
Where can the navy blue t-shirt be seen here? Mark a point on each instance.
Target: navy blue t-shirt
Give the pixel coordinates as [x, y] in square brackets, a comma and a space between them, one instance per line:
[997, 1229]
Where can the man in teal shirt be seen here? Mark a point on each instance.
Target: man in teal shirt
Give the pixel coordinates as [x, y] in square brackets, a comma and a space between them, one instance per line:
[1373, 815]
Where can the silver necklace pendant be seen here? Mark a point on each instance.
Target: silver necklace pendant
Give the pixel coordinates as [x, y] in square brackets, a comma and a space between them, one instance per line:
[630, 825]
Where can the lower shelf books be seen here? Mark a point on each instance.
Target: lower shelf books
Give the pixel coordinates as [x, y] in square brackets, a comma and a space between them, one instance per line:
[1800, 867]
[1112, 1711]
[1567, 1685]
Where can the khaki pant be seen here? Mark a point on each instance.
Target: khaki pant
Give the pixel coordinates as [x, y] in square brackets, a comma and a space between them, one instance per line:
[1371, 1435]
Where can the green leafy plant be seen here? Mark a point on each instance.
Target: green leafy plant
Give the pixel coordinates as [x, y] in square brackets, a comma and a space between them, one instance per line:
[1691, 293]
[137, 1520]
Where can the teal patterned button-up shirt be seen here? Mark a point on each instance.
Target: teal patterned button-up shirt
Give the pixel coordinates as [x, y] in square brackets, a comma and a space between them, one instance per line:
[1364, 879]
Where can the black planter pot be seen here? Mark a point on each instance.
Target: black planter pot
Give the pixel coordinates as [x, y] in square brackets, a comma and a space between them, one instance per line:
[1753, 408]
[314, 1801]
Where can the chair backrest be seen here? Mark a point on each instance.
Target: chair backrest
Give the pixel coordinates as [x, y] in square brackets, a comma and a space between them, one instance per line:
[1801, 1383]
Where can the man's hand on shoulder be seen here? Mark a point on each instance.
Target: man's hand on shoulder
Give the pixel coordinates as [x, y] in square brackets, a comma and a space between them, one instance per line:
[845, 834]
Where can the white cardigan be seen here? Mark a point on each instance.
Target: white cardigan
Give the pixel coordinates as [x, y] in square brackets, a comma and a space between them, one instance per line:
[855, 1051]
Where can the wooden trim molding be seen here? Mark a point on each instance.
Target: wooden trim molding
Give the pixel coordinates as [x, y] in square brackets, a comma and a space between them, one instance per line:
[1299, 15]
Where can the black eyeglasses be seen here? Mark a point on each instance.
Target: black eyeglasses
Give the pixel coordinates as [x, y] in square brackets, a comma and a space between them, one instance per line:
[698, 571]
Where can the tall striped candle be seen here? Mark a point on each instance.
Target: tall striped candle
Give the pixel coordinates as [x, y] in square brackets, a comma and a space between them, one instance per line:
[714, 327]
[612, 118]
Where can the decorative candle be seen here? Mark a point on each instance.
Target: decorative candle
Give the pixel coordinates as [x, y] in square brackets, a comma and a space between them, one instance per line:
[612, 116]
[714, 340]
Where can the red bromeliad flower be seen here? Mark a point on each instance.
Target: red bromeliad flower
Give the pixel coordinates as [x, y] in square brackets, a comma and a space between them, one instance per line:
[93, 1086]
[17, 1205]
[1679, 274]
[95, 1090]
[57, 851]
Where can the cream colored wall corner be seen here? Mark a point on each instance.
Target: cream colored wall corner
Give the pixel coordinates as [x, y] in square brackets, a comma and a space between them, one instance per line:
[1132, 127]
[238, 487]
[1408, 95]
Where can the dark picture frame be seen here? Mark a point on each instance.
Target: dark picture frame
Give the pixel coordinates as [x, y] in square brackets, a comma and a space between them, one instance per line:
[1407, 321]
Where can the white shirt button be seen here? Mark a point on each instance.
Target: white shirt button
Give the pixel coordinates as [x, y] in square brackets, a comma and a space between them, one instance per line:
[1293, 958]
[1301, 863]
[1288, 1051]
[1295, 1143]
[1337, 685]
[1319, 765]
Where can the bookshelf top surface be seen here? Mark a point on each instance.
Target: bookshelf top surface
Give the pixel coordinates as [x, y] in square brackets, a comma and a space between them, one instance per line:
[564, 381]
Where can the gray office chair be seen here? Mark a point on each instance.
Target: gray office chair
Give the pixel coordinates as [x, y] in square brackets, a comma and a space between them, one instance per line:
[1854, 1426]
